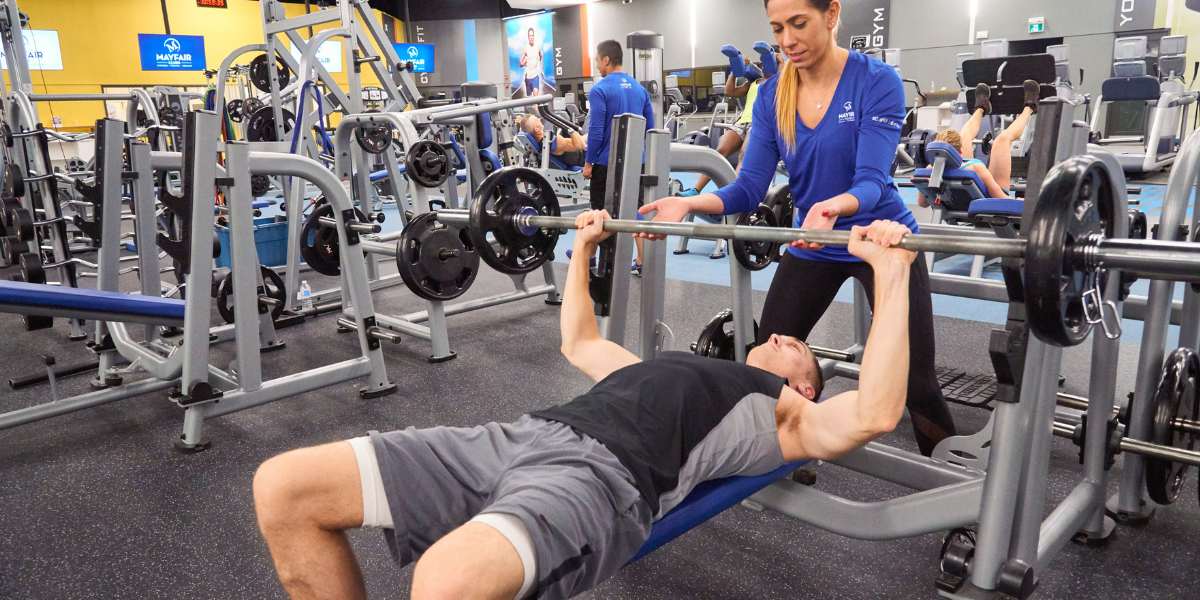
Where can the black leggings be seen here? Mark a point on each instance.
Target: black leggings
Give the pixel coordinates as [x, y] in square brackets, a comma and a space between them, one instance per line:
[802, 291]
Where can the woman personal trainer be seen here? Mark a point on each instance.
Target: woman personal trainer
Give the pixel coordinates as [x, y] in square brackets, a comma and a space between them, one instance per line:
[833, 117]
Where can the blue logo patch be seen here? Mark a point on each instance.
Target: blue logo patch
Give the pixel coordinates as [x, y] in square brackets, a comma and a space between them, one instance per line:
[420, 55]
[171, 52]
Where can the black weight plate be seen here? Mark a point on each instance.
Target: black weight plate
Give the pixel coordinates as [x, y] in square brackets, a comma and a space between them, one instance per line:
[717, 338]
[374, 138]
[261, 125]
[428, 164]
[756, 256]
[251, 105]
[32, 272]
[14, 181]
[274, 289]
[1076, 202]
[437, 261]
[233, 109]
[780, 201]
[501, 196]
[170, 116]
[20, 222]
[260, 73]
[319, 245]
[259, 185]
[1174, 398]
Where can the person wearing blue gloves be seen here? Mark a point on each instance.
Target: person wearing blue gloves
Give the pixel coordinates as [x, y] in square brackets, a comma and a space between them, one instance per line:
[751, 75]
[833, 117]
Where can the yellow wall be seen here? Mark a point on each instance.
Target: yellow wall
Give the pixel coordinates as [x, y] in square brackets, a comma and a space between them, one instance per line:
[99, 45]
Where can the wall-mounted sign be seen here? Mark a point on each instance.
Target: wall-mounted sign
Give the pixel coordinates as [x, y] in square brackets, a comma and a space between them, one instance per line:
[421, 56]
[1037, 25]
[212, 3]
[329, 55]
[171, 52]
[42, 51]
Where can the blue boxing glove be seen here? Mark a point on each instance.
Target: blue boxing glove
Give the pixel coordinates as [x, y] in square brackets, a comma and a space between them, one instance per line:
[737, 63]
[768, 58]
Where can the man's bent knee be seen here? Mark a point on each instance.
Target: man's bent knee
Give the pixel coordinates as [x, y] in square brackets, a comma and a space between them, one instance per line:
[319, 484]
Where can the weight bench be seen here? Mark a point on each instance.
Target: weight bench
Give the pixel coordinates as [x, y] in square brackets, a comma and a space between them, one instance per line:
[706, 501]
[60, 301]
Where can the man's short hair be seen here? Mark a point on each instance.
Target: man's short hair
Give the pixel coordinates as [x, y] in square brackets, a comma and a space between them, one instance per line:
[612, 50]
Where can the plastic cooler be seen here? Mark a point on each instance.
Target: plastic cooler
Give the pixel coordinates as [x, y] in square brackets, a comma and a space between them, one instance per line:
[270, 239]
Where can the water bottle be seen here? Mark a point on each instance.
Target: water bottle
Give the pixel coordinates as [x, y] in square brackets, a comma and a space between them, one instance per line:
[306, 299]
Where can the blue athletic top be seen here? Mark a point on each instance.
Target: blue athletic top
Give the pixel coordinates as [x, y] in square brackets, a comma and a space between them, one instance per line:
[616, 94]
[970, 161]
[850, 150]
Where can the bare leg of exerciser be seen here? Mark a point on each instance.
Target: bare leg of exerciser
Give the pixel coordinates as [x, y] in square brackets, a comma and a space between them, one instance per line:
[305, 499]
[730, 143]
[1001, 161]
[969, 132]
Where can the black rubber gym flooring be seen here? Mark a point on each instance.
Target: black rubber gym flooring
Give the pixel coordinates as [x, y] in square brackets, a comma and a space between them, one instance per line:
[97, 504]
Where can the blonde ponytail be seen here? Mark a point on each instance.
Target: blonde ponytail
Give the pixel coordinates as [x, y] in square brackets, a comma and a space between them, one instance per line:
[786, 100]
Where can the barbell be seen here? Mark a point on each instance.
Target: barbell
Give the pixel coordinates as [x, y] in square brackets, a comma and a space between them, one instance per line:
[515, 221]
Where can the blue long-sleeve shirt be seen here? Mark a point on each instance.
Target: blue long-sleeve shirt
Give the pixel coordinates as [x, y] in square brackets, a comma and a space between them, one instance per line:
[616, 94]
[849, 151]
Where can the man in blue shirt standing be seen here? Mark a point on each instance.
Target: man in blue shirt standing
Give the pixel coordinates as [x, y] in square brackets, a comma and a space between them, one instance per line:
[616, 94]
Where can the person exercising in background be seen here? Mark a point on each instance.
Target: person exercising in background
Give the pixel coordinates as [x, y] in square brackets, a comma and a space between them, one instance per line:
[531, 59]
[570, 148]
[751, 75]
[554, 503]
[997, 174]
[615, 94]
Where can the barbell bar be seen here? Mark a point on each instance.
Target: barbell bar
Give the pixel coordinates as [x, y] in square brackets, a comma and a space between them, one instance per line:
[1178, 261]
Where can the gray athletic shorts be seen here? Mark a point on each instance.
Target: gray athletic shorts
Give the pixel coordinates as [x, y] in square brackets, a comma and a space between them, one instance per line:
[574, 497]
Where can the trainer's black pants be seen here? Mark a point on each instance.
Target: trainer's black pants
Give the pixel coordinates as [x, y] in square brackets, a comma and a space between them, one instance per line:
[803, 289]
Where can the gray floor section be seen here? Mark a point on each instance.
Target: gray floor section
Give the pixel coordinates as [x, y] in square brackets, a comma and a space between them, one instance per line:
[98, 505]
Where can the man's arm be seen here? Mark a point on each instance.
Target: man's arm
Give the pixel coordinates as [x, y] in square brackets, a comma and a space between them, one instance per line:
[849, 420]
[733, 89]
[582, 344]
[598, 124]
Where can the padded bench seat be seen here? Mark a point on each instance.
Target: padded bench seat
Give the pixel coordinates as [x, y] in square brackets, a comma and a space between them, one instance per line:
[1008, 207]
[53, 300]
[706, 501]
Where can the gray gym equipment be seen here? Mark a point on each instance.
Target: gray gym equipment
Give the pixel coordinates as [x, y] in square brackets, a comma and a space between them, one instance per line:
[1164, 126]
[406, 125]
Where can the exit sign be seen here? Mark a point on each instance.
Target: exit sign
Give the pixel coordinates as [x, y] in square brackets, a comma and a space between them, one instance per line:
[1037, 25]
[213, 3]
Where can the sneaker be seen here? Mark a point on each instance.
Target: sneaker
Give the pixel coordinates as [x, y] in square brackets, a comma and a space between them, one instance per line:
[688, 193]
[983, 98]
[635, 270]
[1033, 93]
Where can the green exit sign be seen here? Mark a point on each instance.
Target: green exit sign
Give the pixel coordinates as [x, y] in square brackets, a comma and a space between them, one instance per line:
[1037, 25]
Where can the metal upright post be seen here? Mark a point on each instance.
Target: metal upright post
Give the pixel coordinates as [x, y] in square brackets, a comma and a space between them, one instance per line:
[145, 226]
[625, 170]
[109, 167]
[244, 258]
[654, 277]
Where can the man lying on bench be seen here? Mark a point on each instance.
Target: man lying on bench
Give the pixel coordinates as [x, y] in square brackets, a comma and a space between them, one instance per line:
[559, 500]
[570, 150]
[997, 175]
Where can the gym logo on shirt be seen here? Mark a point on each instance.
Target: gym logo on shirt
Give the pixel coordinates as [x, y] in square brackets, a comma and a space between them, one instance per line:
[847, 115]
[887, 122]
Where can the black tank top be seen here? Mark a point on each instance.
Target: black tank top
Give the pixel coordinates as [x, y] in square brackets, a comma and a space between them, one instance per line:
[651, 414]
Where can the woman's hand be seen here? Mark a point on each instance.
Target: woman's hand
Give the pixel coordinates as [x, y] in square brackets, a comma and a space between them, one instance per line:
[821, 217]
[671, 209]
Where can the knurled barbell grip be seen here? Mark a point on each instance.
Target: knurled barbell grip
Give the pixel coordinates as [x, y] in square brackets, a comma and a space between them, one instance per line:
[355, 226]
